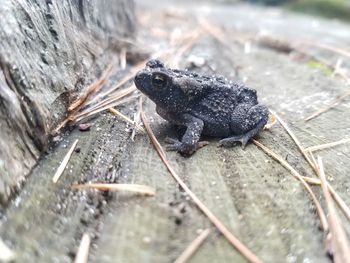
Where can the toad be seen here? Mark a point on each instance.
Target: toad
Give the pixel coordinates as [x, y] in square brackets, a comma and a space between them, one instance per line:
[204, 105]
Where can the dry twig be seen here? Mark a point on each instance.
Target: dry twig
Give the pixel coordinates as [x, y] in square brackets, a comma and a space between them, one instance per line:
[340, 243]
[83, 250]
[205, 210]
[136, 188]
[64, 163]
[192, 248]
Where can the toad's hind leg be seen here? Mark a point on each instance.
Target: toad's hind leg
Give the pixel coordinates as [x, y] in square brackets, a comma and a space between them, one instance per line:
[246, 125]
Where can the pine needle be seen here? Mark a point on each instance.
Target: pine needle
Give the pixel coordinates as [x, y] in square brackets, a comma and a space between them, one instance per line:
[136, 188]
[83, 250]
[127, 119]
[192, 248]
[326, 145]
[295, 139]
[205, 210]
[64, 163]
[332, 105]
[137, 118]
[92, 89]
[106, 103]
[105, 107]
[6, 254]
[340, 243]
[271, 122]
[312, 162]
[331, 48]
[286, 165]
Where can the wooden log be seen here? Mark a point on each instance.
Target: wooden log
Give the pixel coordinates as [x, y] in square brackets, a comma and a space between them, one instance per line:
[49, 50]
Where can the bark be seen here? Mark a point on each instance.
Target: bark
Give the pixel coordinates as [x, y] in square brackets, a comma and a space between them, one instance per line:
[49, 50]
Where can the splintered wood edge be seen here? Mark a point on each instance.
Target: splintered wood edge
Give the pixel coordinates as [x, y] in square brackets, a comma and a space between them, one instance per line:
[64, 163]
[234, 241]
[83, 250]
[136, 188]
[193, 247]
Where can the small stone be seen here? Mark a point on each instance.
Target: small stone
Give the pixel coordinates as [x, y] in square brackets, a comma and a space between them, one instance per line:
[146, 240]
[84, 126]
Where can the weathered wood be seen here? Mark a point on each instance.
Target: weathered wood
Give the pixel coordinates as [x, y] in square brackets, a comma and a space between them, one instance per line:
[49, 51]
[252, 194]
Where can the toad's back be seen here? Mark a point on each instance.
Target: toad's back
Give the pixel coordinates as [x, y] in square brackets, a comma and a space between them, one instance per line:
[220, 104]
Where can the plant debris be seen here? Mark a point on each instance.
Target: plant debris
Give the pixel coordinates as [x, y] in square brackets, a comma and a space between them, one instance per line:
[326, 145]
[83, 250]
[64, 163]
[250, 256]
[339, 241]
[332, 105]
[136, 188]
[286, 165]
[192, 248]
[313, 164]
[127, 119]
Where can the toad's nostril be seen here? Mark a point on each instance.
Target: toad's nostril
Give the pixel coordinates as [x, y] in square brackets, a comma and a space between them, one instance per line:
[138, 78]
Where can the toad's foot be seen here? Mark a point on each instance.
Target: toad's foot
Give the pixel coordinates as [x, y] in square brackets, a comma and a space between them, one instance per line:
[244, 138]
[229, 142]
[183, 148]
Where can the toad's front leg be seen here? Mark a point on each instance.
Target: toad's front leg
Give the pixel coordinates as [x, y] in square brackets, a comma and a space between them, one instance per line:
[190, 141]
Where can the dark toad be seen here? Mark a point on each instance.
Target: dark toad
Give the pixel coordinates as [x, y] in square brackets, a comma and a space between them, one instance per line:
[205, 105]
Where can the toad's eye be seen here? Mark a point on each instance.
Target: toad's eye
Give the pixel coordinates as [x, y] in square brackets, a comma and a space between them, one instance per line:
[159, 81]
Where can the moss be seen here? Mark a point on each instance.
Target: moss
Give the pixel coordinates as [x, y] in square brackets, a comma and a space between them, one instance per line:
[314, 64]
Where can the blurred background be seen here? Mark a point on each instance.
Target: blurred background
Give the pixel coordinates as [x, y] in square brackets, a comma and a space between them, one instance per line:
[339, 9]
